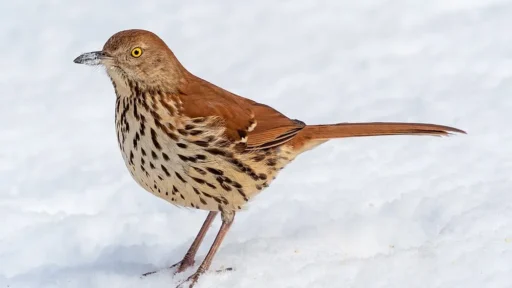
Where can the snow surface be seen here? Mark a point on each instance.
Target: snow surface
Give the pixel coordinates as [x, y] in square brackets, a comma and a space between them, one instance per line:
[372, 212]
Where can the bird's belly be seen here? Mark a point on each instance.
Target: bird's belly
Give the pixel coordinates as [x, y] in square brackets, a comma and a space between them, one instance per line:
[192, 175]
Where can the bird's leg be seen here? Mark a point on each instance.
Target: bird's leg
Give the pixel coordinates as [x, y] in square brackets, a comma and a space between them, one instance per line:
[188, 260]
[227, 220]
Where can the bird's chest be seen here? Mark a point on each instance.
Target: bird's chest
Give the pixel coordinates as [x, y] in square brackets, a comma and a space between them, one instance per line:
[151, 147]
[183, 161]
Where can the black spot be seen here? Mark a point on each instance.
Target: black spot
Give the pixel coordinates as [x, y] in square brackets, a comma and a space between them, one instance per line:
[136, 140]
[183, 132]
[142, 129]
[179, 177]
[271, 162]
[151, 165]
[226, 187]
[242, 133]
[189, 127]
[214, 171]
[131, 157]
[201, 143]
[200, 157]
[165, 170]
[202, 201]
[239, 164]
[236, 185]
[143, 151]
[135, 114]
[183, 158]
[170, 126]
[198, 120]
[198, 180]
[175, 190]
[155, 140]
[262, 176]
[160, 177]
[142, 161]
[155, 115]
[196, 132]
[118, 100]
[243, 194]
[196, 191]
[182, 145]
[258, 158]
[200, 171]
[215, 151]
[211, 185]
[136, 89]
[165, 156]
[153, 154]
[166, 193]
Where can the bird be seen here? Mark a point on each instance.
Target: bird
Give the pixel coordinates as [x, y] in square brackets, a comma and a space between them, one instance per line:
[197, 145]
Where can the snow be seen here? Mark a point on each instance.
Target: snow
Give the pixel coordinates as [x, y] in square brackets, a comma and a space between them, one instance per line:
[366, 212]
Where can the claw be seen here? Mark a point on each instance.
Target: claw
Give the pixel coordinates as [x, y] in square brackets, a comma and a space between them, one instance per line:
[181, 266]
[192, 280]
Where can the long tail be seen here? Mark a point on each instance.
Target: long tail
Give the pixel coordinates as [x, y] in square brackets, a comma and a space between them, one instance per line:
[325, 132]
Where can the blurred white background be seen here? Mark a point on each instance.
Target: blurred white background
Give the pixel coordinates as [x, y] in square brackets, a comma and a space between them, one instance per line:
[372, 212]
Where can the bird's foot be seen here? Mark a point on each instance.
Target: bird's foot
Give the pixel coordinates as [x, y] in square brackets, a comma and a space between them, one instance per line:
[191, 280]
[179, 267]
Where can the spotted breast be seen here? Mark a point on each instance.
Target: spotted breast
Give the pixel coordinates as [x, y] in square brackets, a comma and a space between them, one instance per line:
[188, 161]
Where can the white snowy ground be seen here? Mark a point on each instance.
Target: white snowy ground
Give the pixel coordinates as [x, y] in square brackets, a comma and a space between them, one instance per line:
[373, 212]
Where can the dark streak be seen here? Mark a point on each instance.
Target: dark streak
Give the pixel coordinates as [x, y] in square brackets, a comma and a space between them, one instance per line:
[154, 139]
[179, 177]
[214, 171]
[165, 170]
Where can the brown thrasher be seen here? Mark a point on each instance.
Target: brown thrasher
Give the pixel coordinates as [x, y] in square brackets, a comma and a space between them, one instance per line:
[197, 145]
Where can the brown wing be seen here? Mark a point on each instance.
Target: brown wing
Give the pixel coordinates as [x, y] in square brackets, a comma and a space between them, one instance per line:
[258, 125]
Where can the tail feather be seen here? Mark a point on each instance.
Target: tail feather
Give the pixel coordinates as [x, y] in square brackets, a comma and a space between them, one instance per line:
[342, 130]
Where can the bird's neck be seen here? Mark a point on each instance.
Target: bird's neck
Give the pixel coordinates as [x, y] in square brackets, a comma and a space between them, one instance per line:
[126, 87]
[121, 83]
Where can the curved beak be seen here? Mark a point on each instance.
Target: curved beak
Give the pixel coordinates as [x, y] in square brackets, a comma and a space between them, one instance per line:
[91, 58]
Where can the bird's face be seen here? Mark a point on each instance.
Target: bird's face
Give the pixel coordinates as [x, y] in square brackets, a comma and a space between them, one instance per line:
[134, 55]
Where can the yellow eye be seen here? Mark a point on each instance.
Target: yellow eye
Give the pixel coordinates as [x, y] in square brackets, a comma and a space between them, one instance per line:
[136, 52]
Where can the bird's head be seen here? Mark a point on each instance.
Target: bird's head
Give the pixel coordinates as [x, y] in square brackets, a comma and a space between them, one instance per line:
[137, 56]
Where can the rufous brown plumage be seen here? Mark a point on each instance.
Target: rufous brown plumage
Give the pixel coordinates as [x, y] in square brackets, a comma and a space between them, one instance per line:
[197, 145]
